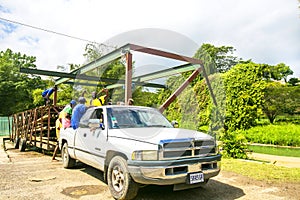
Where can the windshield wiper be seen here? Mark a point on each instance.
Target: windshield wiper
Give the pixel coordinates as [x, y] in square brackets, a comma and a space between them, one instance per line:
[156, 125]
[127, 125]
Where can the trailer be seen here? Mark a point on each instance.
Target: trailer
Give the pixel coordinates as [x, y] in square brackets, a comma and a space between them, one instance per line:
[35, 128]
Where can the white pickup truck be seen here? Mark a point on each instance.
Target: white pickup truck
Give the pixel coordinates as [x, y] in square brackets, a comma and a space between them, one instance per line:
[137, 146]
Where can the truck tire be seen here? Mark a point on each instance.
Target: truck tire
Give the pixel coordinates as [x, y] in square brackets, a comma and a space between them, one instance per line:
[120, 183]
[67, 161]
[22, 144]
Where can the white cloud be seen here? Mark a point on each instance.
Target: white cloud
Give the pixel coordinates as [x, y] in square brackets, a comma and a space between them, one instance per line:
[265, 31]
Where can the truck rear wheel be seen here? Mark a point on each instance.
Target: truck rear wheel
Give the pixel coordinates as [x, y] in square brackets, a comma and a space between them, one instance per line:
[67, 161]
[120, 183]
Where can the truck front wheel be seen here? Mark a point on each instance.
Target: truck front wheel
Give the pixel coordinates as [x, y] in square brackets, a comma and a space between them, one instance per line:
[67, 161]
[120, 183]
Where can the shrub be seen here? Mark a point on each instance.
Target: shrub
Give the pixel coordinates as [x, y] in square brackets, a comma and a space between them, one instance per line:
[234, 144]
[283, 134]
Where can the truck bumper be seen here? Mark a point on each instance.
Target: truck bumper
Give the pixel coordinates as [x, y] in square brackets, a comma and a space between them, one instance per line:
[171, 172]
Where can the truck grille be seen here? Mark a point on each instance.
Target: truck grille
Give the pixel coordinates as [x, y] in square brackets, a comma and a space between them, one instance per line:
[180, 148]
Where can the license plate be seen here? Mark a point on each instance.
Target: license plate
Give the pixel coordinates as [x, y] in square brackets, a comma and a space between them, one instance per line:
[196, 178]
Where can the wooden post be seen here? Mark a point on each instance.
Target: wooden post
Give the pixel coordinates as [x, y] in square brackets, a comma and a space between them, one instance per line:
[33, 132]
[55, 96]
[9, 127]
[48, 125]
[42, 125]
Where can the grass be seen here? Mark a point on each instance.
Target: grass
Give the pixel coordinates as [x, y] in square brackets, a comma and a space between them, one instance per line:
[278, 151]
[261, 171]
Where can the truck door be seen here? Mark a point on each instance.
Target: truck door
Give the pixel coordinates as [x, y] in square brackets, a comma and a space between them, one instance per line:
[93, 138]
[80, 141]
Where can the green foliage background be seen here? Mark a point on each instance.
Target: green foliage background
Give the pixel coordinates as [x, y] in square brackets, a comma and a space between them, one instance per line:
[16, 88]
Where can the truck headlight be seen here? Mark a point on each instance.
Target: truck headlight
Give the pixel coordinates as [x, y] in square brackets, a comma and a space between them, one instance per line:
[145, 155]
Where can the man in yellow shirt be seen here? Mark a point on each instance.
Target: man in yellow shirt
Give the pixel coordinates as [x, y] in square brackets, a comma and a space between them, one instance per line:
[98, 101]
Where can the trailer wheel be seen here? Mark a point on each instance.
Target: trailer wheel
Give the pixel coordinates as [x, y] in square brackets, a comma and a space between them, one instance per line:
[68, 162]
[22, 144]
[120, 183]
[17, 143]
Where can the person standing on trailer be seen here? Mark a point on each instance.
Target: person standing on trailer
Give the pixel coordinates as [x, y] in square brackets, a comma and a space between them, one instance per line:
[46, 95]
[99, 101]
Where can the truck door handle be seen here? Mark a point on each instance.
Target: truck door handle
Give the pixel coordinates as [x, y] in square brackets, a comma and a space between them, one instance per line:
[84, 135]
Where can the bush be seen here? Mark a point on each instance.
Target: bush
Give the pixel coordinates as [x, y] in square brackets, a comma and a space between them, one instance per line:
[283, 135]
[234, 145]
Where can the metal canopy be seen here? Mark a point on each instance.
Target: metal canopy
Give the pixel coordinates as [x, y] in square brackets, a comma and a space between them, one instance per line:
[79, 74]
[126, 49]
[192, 64]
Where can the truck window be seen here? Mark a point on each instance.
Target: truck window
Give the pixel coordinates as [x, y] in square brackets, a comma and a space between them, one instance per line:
[85, 118]
[136, 117]
[97, 114]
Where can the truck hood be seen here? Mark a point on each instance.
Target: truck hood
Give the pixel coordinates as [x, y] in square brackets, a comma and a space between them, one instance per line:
[156, 135]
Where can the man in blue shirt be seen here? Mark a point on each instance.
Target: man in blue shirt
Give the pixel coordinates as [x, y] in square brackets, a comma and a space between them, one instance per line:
[78, 112]
[47, 93]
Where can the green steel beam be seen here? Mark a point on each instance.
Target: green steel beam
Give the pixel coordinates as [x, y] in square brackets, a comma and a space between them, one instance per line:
[46, 73]
[85, 77]
[67, 75]
[153, 85]
[159, 74]
[166, 72]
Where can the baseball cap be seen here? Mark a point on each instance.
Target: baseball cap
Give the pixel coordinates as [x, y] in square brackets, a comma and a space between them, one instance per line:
[73, 102]
[81, 100]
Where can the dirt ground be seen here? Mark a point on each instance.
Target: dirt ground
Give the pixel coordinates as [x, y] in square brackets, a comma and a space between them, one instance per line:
[32, 175]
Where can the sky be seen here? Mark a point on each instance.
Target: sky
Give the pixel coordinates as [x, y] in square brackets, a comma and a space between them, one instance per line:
[265, 31]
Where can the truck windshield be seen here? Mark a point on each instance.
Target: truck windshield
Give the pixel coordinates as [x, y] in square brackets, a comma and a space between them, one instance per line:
[135, 117]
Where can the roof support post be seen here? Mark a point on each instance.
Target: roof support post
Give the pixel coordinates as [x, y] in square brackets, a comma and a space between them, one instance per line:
[128, 77]
[179, 90]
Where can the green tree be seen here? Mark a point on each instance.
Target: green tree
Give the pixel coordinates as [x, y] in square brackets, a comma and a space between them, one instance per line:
[277, 72]
[273, 104]
[173, 111]
[143, 97]
[280, 99]
[16, 88]
[294, 81]
[244, 95]
[222, 56]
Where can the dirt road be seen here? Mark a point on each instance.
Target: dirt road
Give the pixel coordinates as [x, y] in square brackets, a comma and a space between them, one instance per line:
[32, 175]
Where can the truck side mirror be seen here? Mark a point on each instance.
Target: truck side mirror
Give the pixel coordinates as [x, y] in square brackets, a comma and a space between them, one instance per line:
[175, 124]
[94, 123]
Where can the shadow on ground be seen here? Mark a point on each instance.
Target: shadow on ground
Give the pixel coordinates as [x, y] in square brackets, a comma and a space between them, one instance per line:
[212, 190]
